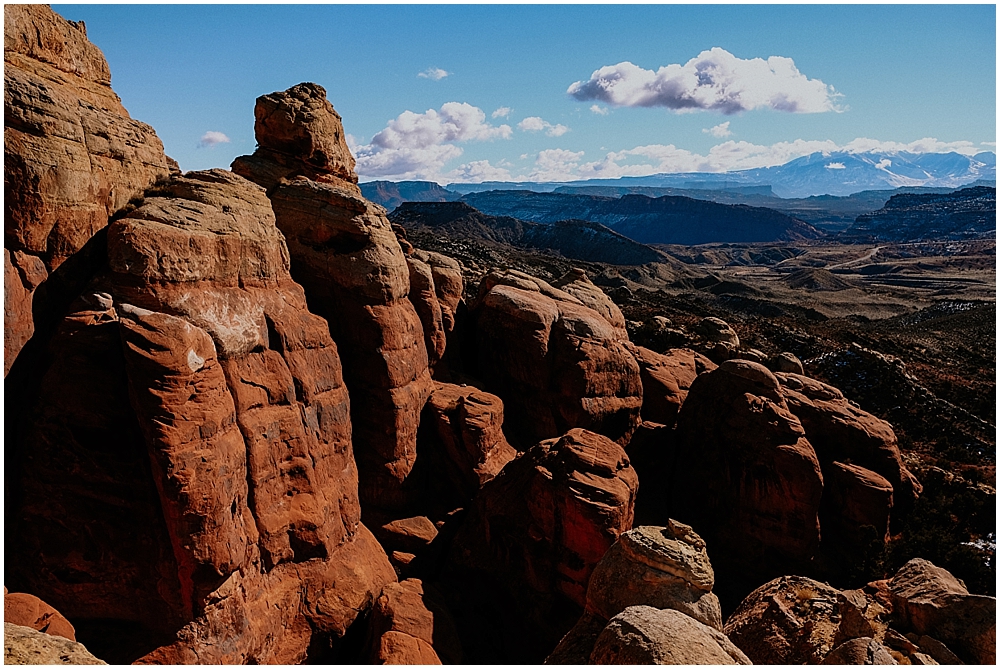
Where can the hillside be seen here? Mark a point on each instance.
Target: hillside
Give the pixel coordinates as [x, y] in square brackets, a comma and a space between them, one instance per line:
[391, 194]
[966, 214]
[662, 220]
[581, 240]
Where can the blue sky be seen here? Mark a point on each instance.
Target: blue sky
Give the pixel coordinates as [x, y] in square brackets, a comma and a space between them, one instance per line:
[561, 92]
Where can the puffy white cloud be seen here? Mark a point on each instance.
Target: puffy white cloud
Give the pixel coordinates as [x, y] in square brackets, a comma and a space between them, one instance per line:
[714, 80]
[418, 145]
[212, 138]
[721, 130]
[556, 165]
[435, 73]
[884, 164]
[835, 166]
[536, 123]
[599, 110]
[502, 112]
[478, 171]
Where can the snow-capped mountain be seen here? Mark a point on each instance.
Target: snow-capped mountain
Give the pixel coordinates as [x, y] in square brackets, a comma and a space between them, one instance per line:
[835, 173]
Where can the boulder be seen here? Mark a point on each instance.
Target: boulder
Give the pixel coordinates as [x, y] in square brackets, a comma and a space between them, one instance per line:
[788, 363]
[932, 602]
[578, 284]
[555, 363]
[859, 651]
[662, 567]
[449, 285]
[406, 628]
[197, 392]
[790, 620]
[350, 263]
[718, 331]
[745, 476]
[27, 610]
[24, 645]
[666, 379]
[462, 439]
[645, 635]
[72, 158]
[840, 430]
[425, 301]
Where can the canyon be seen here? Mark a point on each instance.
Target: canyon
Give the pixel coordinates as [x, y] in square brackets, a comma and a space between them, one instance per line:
[253, 417]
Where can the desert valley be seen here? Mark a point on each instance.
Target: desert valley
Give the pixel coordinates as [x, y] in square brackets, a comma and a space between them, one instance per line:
[275, 414]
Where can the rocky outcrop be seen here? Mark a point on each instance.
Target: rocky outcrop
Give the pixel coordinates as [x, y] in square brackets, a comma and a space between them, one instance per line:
[840, 430]
[461, 436]
[718, 331]
[578, 284]
[932, 602]
[645, 635]
[666, 379]
[556, 363]
[536, 532]
[72, 158]
[970, 213]
[859, 651]
[348, 260]
[745, 476]
[24, 645]
[790, 620]
[27, 610]
[406, 627]
[854, 512]
[196, 391]
[661, 567]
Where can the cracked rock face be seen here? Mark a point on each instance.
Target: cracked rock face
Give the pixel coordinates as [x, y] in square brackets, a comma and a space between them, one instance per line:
[349, 261]
[197, 391]
[72, 155]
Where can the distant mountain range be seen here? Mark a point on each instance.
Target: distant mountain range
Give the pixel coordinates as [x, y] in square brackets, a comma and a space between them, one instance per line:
[836, 173]
[970, 213]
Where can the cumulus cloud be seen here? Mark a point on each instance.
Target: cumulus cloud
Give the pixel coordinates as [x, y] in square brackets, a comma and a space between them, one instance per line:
[714, 80]
[536, 123]
[212, 138]
[435, 73]
[502, 112]
[599, 110]
[418, 145]
[478, 171]
[721, 130]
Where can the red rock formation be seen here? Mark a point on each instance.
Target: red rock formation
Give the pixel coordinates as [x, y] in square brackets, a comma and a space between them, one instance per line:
[554, 511]
[350, 263]
[207, 359]
[425, 301]
[463, 438]
[72, 155]
[555, 363]
[790, 620]
[578, 284]
[839, 430]
[407, 628]
[666, 379]
[745, 477]
[449, 285]
[27, 610]
[855, 510]
[932, 602]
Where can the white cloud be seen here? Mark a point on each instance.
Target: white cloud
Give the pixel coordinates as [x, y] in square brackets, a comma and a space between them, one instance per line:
[478, 171]
[599, 110]
[418, 145]
[502, 112]
[835, 166]
[714, 80]
[435, 73]
[884, 164]
[211, 138]
[536, 123]
[561, 165]
[721, 130]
